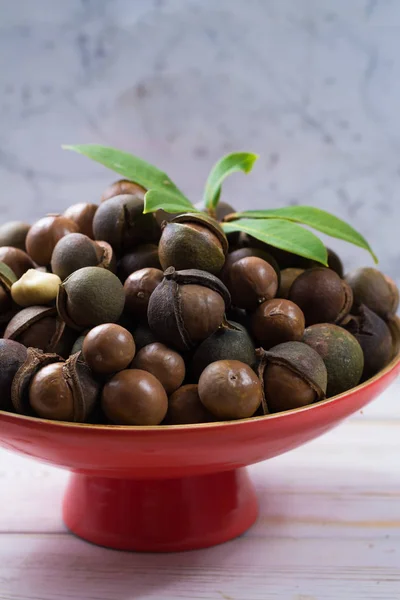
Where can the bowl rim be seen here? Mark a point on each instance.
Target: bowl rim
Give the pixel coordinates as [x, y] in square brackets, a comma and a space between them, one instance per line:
[165, 428]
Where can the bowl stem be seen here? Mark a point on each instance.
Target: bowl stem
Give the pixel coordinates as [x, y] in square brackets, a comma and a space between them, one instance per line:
[160, 515]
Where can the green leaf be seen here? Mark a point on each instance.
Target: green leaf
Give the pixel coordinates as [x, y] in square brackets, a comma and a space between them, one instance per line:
[282, 234]
[129, 166]
[159, 199]
[237, 161]
[316, 218]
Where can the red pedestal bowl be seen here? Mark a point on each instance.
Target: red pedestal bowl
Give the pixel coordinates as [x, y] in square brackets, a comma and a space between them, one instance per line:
[178, 487]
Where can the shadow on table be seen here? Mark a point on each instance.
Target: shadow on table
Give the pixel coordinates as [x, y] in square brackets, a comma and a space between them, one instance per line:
[279, 552]
[63, 566]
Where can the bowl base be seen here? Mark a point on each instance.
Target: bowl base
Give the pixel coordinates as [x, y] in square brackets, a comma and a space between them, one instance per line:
[160, 515]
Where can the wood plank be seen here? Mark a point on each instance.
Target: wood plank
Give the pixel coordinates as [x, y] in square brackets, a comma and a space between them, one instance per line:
[60, 566]
[385, 406]
[329, 528]
[30, 494]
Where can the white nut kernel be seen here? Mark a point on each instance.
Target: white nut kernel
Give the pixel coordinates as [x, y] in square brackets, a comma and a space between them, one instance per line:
[35, 287]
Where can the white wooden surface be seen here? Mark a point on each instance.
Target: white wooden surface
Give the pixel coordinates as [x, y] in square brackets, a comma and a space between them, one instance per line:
[329, 529]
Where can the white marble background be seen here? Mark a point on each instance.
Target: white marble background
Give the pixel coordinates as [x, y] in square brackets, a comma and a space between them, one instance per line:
[311, 85]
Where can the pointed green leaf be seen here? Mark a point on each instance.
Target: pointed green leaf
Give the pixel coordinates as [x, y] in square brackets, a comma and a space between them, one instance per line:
[282, 234]
[129, 166]
[317, 219]
[237, 161]
[159, 199]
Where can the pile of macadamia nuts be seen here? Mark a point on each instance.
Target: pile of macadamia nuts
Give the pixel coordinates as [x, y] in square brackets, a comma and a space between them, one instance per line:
[111, 316]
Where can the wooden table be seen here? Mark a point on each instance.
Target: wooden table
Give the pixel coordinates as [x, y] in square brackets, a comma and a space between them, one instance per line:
[329, 528]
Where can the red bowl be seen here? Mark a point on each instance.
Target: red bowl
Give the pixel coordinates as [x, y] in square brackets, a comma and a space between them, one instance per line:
[178, 487]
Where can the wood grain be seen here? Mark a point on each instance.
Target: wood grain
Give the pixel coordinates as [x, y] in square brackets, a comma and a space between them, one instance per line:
[44, 567]
[329, 529]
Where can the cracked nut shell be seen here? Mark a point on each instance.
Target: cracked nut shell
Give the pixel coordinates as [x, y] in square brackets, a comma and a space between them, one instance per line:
[187, 307]
[35, 360]
[64, 391]
[374, 337]
[193, 241]
[12, 357]
[294, 375]
[40, 327]
[7, 279]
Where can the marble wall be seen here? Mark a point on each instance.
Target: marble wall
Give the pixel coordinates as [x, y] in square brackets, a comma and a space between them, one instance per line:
[311, 85]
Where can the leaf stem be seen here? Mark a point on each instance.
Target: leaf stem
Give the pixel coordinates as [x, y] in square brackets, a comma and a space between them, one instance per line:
[232, 217]
[210, 210]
